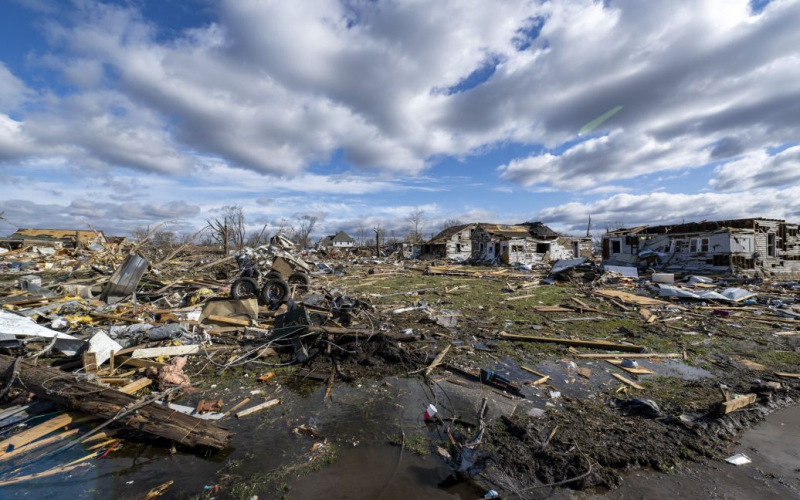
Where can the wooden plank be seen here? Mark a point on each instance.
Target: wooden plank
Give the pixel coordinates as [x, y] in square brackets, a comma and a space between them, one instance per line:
[632, 355]
[529, 370]
[552, 309]
[619, 305]
[594, 344]
[737, 403]
[787, 375]
[591, 318]
[630, 298]
[437, 360]
[632, 371]
[47, 473]
[541, 380]
[228, 321]
[126, 319]
[257, 408]
[22, 450]
[41, 430]
[155, 352]
[520, 297]
[136, 385]
[138, 363]
[23, 439]
[581, 303]
[237, 406]
[89, 362]
[627, 381]
[585, 373]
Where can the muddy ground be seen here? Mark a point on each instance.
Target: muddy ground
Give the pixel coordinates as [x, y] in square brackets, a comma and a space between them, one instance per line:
[368, 439]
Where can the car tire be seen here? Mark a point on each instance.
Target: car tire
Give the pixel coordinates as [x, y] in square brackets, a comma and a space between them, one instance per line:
[244, 287]
[275, 292]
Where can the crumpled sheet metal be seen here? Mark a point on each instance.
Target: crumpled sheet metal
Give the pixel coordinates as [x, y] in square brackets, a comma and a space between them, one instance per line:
[125, 279]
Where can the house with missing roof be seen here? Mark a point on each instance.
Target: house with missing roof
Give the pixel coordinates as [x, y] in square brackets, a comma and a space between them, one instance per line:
[750, 246]
[526, 243]
[338, 240]
[454, 242]
[66, 238]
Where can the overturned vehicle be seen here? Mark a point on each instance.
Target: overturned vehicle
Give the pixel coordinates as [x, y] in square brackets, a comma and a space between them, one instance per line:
[271, 273]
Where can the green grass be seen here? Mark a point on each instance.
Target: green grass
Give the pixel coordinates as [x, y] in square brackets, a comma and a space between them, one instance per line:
[277, 481]
[417, 444]
[674, 394]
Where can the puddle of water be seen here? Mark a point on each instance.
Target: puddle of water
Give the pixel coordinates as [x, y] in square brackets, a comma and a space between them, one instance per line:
[368, 472]
[358, 420]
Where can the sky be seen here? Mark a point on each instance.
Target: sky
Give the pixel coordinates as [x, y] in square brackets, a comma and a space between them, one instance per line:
[122, 114]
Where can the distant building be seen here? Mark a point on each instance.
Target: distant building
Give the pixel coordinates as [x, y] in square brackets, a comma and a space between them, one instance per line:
[526, 243]
[338, 240]
[768, 245]
[68, 238]
[452, 243]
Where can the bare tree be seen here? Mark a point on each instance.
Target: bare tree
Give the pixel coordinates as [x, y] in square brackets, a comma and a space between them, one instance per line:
[361, 233]
[219, 230]
[229, 231]
[235, 215]
[378, 235]
[448, 223]
[416, 220]
[304, 230]
[257, 239]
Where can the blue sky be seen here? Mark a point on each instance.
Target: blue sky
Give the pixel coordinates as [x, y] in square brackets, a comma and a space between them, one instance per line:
[124, 114]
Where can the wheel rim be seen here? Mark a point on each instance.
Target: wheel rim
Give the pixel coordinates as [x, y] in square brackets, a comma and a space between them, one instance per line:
[245, 288]
[274, 292]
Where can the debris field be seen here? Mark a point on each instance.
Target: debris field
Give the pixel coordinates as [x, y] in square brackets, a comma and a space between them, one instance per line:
[564, 375]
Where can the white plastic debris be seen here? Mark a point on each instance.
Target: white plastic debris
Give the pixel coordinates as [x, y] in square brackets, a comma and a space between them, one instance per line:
[738, 459]
[668, 278]
[103, 347]
[25, 327]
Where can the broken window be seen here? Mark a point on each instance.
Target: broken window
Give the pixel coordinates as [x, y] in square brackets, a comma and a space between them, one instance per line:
[516, 248]
[616, 246]
[480, 247]
[704, 245]
[458, 247]
[543, 247]
[771, 244]
[693, 246]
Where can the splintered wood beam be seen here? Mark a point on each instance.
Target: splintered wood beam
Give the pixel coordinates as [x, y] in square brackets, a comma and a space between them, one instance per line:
[737, 403]
[627, 381]
[594, 344]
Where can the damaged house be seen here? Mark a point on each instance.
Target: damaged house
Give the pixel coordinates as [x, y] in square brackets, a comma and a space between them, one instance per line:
[452, 243]
[747, 245]
[526, 243]
[59, 238]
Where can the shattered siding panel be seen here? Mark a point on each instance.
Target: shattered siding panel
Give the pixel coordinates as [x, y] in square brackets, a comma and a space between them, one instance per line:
[461, 240]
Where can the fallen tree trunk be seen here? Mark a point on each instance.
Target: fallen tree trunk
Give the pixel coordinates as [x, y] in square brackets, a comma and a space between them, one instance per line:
[104, 402]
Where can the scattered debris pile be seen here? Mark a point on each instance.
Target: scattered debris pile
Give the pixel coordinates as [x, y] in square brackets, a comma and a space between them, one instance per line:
[577, 371]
